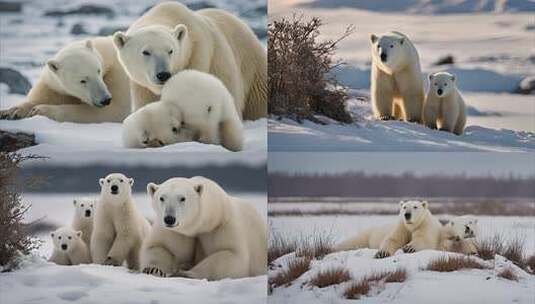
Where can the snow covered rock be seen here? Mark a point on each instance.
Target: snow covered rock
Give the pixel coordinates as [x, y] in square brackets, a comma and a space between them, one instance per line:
[17, 83]
[526, 86]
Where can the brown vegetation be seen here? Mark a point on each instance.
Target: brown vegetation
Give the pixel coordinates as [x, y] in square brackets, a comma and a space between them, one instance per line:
[363, 286]
[357, 290]
[454, 263]
[508, 273]
[296, 267]
[330, 277]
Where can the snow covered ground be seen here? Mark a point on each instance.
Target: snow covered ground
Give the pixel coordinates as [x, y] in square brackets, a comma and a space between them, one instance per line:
[465, 286]
[29, 39]
[492, 52]
[41, 282]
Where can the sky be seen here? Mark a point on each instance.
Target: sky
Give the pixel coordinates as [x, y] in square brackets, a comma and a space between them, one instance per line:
[420, 163]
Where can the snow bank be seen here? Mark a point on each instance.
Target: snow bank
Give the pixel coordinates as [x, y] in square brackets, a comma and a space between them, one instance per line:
[464, 286]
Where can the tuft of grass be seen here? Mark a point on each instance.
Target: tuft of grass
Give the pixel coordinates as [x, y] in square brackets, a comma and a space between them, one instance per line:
[330, 277]
[487, 248]
[316, 246]
[357, 290]
[279, 246]
[514, 251]
[508, 273]
[454, 263]
[296, 267]
[530, 262]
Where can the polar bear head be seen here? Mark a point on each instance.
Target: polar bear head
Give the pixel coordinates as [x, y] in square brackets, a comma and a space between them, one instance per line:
[65, 239]
[177, 202]
[152, 54]
[77, 71]
[84, 208]
[465, 226]
[413, 213]
[155, 125]
[116, 188]
[391, 51]
[441, 84]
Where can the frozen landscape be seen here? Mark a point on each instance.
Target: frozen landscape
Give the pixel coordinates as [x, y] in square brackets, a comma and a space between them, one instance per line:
[491, 45]
[421, 286]
[29, 38]
[41, 282]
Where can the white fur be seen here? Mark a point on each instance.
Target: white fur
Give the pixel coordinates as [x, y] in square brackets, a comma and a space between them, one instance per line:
[446, 111]
[75, 84]
[420, 231]
[194, 106]
[69, 248]
[459, 235]
[84, 212]
[119, 228]
[231, 234]
[170, 37]
[397, 88]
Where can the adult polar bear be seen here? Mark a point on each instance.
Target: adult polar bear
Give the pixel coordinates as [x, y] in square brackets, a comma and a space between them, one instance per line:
[416, 229]
[231, 234]
[170, 37]
[83, 83]
[397, 86]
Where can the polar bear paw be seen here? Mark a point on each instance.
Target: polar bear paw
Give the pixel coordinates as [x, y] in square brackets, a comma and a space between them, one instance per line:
[15, 113]
[155, 271]
[111, 262]
[186, 274]
[381, 254]
[52, 112]
[386, 117]
[408, 249]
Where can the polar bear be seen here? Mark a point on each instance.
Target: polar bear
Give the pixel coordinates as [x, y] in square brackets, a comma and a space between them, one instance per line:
[170, 37]
[459, 235]
[417, 229]
[397, 86]
[194, 106]
[118, 228]
[83, 83]
[444, 106]
[84, 212]
[231, 235]
[69, 248]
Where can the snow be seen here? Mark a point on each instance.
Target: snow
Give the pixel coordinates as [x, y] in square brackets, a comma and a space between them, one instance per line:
[465, 286]
[29, 39]
[492, 52]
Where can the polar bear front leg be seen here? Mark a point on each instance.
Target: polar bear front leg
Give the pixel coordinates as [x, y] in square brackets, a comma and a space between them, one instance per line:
[158, 261]
[420, 241]
[80, 113]
[412, 94]
[101, 242]
[394, 240]
[450, 117]
[430, 115]
[382, 94]
[219, 265]
[120, 249]
[59, 258]
[18, 112]
[232, 134]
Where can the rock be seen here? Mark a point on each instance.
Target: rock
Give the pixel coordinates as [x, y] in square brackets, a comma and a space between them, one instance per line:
[448, 59]
[110, 30]
[87, 9]
[10, 7]
[255, 12]
[260, 32]
[10, 142]
[78, 29]
[526, 86]
[17, 83]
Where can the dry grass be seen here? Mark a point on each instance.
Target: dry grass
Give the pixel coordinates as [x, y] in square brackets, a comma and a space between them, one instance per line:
[488, 247]
[279, 246]
[296, 267]
[530, 262]
[454, 263]
[330, 277]
[357, 290]
[514, 251]
[314, 246]
[508, 273]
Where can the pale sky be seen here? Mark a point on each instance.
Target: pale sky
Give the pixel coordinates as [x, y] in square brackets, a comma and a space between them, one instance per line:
[450, 163]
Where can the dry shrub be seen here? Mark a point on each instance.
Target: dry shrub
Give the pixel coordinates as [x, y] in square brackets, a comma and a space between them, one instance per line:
[397, 276]
[296, 267]
[316, 246]
[508, 273]
[298, 81]
[530, 262]
[279, 246]
[454, 263]
[488, 247]
[330, 277]
[514, 251]
[14, 236]
[357, 289]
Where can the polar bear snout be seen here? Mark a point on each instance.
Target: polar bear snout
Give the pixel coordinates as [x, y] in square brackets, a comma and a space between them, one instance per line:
[105, 102]
[88, 213]
[407, 216]
[439, 92]
[384, 57]
[114, 189]
[163, 76]
[169, 220]
[64, 247]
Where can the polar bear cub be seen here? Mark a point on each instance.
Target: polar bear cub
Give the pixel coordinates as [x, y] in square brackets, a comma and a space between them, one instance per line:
[459, 235]
[119, 228]
[444, 106]
[231, 234]
[397, 87]
[416, 229]
[193, 106]
[69, 248]
[84, 212]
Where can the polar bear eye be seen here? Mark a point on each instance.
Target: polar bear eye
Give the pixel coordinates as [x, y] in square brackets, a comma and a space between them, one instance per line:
[162, 199]
[108, 181]
[175, 130]
[121, 180]
[436, 84]
[83, 81]
[70, 237]
[415, 207]
[391, 46]
[146, 53]
[81, 205]
[183, 199]
[445, 84]
[98, 72]
[59, 237]
[170, 52]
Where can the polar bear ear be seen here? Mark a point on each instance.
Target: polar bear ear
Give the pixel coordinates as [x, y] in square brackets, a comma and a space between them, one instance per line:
[431, 76]
[151, 189]
[453, 78]
[198, 188]
[373, 38]
[131, 181]
[53, 65]
[180, 32]
[401, 202]
[101, 182]
[424, 204]
[74, 202]
[79, 233]
[89, 44]
[52, 234]
[119, 39]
